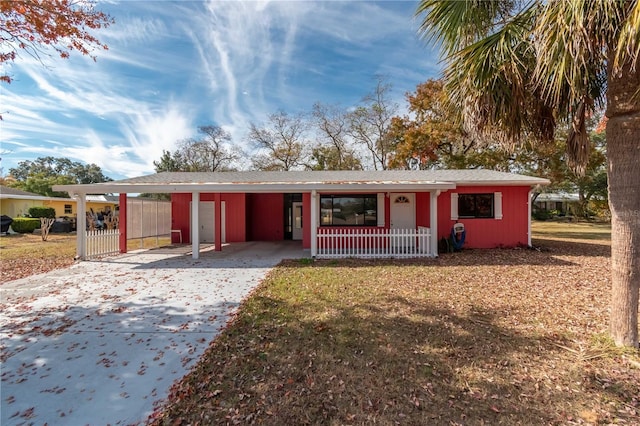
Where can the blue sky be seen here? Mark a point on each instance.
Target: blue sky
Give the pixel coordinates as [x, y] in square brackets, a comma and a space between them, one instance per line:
[174, 66]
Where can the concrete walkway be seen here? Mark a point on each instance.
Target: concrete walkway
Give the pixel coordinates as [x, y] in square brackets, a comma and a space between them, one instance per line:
[102, 341]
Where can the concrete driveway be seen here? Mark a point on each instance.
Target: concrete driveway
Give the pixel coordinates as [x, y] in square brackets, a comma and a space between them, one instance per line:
[101, 342]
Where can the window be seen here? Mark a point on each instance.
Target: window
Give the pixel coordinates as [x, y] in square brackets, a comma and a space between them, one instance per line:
[68, 209]
[349, 210]
[475, 205]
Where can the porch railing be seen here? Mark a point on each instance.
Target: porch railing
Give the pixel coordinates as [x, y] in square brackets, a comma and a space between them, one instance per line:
[373, 243]
[102, 242]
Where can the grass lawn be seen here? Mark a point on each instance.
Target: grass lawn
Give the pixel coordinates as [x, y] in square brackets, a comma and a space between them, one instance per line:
[511, 336]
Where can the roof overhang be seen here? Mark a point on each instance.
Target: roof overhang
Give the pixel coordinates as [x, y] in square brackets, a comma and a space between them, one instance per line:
[269, 187]
[304, 182]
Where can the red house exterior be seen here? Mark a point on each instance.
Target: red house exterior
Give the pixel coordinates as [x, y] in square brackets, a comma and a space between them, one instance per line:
[357, 213]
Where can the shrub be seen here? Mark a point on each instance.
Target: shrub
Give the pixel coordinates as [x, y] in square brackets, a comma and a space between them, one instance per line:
[541, 215]
[25, 225]
[38, 212]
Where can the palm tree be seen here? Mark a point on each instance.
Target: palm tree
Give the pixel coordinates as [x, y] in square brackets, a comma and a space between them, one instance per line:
[519, 67]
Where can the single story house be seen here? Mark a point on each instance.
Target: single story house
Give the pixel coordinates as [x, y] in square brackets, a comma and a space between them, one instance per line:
[15, 203]
[391, 213]
[562, 202]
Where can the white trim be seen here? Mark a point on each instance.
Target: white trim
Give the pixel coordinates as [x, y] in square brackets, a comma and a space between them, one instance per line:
[454, 206]
[223, 221]
[529, 219]
[433, 221]
[81, 226]
[285, 188]
[381, 210]
[314, 223]
[497, 205]
[195, 225]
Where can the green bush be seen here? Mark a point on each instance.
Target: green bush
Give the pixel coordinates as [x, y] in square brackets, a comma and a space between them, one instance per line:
[38, 212]
[541, 215]
[25, 225]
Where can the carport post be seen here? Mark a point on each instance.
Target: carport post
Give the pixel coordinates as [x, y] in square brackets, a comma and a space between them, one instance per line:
[122, 222]
[314, 223]
[218, 217]
[195, 225]
[81, 226]
[433, 222]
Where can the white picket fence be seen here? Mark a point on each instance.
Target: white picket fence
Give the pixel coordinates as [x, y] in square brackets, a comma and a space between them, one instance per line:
[373, 243]
[102, 242]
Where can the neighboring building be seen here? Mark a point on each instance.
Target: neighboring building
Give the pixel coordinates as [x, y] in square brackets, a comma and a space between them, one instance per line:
[305, 206]
[16, 203]
[561, 202]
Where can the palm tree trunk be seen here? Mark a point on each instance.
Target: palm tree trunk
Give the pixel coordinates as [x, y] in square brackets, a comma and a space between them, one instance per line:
[623, 155]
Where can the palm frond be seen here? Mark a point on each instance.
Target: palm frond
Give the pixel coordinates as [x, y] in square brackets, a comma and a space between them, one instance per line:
[628, 46]
[571, 42]
[457, 24]
[493, 76]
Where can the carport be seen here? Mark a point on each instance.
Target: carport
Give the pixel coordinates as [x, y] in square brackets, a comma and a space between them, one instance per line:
[217, 186]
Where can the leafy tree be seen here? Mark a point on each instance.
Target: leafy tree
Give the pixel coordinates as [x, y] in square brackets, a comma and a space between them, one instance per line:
[369, 124]
[212, 152]
[334, 152]
[42, 183]
[430, 136]
[50, 166]
[280, 143]
[64, 25]
[170, 162]
[513, 69]
[38, 176]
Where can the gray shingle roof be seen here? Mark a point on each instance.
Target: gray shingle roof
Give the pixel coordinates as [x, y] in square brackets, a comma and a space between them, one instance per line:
[332, 177]
[5, 190]
[304, 181]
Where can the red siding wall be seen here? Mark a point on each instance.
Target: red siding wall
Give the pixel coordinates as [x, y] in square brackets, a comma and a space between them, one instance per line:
[265, 214]
[510, 231]
[235, 230]
[423, 201]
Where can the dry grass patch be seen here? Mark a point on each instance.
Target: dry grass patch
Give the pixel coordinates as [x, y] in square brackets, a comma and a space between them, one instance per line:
[24, 255]
[477, 337]
[571, 231]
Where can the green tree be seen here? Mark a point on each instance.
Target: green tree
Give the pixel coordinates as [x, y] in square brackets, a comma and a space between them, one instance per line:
[212, 152]
[515, 68]
[429, 136]
[170, 162]
[39, 175]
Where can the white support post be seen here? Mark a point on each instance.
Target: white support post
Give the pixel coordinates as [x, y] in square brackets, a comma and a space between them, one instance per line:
[195, 225]
[433, 221]
[81, 226]
[314, 223]
[529, 220]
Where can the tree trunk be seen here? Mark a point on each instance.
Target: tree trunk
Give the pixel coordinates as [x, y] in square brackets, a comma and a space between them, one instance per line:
[623, 155]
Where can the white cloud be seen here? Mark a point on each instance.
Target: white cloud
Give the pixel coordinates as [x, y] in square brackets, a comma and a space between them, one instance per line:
[173, 66]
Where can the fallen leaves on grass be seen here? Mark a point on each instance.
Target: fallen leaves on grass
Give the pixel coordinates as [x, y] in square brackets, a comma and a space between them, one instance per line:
[476, 337]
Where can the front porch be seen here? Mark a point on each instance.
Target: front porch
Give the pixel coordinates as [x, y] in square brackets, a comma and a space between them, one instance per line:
[374, 243]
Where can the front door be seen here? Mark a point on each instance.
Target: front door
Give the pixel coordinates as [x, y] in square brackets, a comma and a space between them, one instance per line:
[296, 231]
[403, 216]
[403, 211]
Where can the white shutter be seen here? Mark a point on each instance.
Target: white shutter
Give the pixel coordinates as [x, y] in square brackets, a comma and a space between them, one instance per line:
[497, 205]
[454, 206]
[381, 209]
